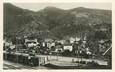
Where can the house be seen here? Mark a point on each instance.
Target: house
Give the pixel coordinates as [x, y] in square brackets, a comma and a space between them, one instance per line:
[68, 47]
[31, 42]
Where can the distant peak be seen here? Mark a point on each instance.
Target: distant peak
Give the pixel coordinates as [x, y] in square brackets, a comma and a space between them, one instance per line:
[81, 7]
[52, 8]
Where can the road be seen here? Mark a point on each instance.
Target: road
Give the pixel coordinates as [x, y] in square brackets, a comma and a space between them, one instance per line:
[10, 65]
[69, 59]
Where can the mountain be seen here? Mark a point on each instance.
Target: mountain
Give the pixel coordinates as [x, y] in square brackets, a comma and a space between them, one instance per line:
[57, 23]
[14, 18]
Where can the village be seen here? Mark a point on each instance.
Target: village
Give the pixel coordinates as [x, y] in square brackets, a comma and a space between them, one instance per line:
[73, 51]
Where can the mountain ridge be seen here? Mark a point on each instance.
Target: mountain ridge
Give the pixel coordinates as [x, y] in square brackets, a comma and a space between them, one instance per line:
[52, 21]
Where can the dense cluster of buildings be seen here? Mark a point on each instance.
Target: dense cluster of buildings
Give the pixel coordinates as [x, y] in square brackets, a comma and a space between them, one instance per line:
[68, 47]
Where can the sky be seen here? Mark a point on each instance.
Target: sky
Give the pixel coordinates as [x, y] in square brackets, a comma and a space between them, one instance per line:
[39, 6]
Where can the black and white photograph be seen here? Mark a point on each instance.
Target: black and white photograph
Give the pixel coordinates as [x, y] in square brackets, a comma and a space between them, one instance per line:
[57, 36]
